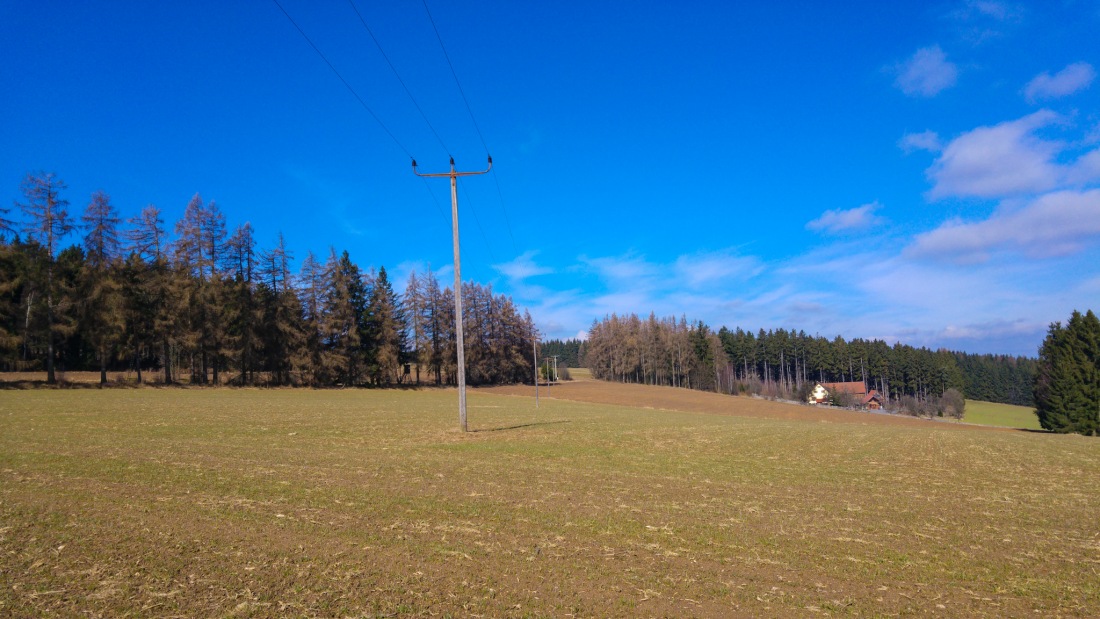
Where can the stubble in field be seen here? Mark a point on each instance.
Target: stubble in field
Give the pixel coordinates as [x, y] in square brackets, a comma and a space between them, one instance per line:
[178, 502]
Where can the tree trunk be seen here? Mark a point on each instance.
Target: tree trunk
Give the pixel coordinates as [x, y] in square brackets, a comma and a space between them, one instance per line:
[50, 378]
[167, 364]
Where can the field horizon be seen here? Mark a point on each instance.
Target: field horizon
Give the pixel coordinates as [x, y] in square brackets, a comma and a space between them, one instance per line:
[262, 502]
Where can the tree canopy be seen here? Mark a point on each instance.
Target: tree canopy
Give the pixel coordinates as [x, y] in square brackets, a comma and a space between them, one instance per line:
[785, 363]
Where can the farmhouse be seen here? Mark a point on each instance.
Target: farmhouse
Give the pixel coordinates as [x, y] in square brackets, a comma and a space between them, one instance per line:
[858, 391]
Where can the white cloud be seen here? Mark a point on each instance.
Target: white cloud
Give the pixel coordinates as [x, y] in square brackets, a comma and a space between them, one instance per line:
[1055, 224]
[859, 218]
[926, 73]
[1002, 160]
[1086, 169]
[988, 10]
[984, 20]
[522, 267]
[996, 10]
[925, 140]
[705, 269]
[1069, 80]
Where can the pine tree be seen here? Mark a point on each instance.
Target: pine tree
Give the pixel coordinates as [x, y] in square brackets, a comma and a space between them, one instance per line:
[1067, 388]
[387, 331]
[100, 295]
[417, 329]
[339, 330]
[48, 223]
[312, 363]
[281, 326]
[436, 328]
[154, 293]
[242, 311]
[199, 252]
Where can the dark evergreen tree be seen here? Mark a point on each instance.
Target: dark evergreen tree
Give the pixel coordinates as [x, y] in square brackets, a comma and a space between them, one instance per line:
[281, 328]
[1067, 388]
[100, 293]
[47, 224]
[386, 331]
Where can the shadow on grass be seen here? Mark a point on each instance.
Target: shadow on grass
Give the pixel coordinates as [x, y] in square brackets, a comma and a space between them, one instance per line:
[521, 425]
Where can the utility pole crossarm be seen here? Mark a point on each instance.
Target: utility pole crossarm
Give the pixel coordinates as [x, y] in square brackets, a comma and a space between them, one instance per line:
[453, 173]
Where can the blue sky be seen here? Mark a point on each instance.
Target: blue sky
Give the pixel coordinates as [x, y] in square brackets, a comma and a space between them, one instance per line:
[927, 172]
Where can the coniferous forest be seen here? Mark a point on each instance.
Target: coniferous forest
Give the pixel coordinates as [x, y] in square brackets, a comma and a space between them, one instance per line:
[786, 364]
[201, 303]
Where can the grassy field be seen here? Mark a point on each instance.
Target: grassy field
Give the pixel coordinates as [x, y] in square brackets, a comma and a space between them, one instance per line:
[236, 503]
[1001, 415]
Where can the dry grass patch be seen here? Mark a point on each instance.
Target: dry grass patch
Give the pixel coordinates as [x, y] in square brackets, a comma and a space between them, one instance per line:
[370, 503]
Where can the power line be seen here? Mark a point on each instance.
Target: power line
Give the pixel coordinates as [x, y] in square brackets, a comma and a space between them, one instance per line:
[344, 81]
[435, 200]
[507, 222]
[484, 237]
[398, 76]
[455, 74]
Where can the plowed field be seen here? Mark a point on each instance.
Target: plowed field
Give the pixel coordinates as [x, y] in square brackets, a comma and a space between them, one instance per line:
[187, 502]
[690, 401]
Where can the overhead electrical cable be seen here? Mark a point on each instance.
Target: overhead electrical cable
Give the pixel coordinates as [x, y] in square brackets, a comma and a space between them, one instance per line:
[398, 76]
[484, 237]
[438, 206]
[455, 74]
[507, 221]
[344, 81]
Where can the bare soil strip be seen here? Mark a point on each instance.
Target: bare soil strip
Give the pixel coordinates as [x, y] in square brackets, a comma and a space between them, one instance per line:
[692, 401]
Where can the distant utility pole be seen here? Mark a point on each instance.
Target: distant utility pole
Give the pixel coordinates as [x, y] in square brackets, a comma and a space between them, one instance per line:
[458, 280]
[535, 352]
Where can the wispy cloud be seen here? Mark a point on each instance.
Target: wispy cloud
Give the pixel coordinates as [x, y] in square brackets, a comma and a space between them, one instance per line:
[841, 221]
[926, 73]
[1002, 160]
[714, 268]
[1069, 80]
[984, 20]
[989, 10]
[630, 269]
[855, 290]
[997, 10]
[925, 140]
[522, 267]
[1086, 169]
[1055, 224]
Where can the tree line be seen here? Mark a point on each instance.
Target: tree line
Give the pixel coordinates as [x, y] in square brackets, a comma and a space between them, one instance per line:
[787, 363]
[570, 353]
[206, 304]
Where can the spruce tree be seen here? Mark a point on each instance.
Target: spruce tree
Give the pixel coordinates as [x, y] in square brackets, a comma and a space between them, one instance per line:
[387, 331]
[100, 298]
[1067, 388]
[47, 223]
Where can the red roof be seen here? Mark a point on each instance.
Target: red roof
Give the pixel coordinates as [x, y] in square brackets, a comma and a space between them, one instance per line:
[854, 388]
[872, 395]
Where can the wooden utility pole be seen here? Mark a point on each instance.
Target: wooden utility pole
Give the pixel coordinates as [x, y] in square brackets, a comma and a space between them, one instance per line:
[453, 175]
[535, 354]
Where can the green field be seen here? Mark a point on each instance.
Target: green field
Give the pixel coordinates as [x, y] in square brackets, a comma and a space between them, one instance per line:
[1001, 415]
[234, 503]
